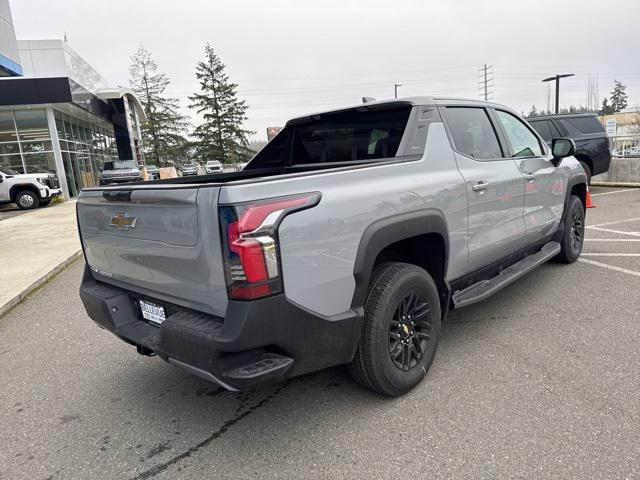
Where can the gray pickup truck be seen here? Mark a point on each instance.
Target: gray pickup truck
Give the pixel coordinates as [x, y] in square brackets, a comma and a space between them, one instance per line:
[345, 240]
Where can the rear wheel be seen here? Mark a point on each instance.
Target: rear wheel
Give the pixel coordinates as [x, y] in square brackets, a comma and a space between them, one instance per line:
[573, 237]
[26, 200]
[401, 330]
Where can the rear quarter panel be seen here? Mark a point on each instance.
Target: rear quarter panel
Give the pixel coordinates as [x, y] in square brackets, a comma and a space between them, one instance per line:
[318, 246]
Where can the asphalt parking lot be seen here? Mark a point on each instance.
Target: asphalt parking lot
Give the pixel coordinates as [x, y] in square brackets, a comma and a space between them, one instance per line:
[540, 381]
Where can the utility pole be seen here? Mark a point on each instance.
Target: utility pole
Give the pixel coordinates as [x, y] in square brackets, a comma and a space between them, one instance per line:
[395, 88]
[557, 80]
[486, 82]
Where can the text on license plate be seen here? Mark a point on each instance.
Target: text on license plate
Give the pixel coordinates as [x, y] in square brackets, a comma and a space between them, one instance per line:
[153, 313]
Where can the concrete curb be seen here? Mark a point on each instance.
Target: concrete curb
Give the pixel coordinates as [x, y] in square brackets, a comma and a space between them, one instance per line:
[616, 184]
[44, 278]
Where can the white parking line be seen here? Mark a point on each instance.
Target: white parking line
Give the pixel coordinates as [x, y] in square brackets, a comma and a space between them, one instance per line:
[615, 191]
[610, 267]
[610, 254]
[633, 234]
[615, 223]
[612, 239]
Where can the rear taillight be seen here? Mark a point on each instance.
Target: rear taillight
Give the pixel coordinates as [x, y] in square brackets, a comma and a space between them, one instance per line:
[250, 243]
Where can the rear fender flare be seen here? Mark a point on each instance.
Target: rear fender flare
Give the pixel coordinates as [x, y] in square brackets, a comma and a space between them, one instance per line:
[387, 231]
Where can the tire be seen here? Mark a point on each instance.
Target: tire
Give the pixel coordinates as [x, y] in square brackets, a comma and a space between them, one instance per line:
[573, 236]
[587, 170]
[26, 200]
[44, 203]
[393, 355]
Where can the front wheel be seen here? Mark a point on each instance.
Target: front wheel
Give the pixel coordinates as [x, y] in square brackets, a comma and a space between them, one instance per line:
[400, 332]
[587, 171]
[573, 237]
[26, 200]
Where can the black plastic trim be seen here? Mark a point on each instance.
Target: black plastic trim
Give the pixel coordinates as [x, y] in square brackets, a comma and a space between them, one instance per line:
[387, 231]
[211, 346]
[579, 179]
[491, 270]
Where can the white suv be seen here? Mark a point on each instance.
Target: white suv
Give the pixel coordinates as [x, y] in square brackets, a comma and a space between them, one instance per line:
[214, 166]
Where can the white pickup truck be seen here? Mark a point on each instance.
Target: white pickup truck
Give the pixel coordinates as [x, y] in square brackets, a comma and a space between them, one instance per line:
[27, 191]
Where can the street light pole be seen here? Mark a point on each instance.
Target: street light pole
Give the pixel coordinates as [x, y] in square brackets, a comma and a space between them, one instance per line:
[395, 87]
[557, 80]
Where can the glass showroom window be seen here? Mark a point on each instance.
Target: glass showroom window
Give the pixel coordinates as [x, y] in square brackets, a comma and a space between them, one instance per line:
[35, 142]
[9, 148]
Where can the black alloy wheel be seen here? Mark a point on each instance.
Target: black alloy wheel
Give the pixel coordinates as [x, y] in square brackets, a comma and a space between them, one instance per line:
[409, 331]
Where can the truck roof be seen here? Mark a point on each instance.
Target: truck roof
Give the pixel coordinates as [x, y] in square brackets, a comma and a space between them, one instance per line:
[397, 102]
[562, 115]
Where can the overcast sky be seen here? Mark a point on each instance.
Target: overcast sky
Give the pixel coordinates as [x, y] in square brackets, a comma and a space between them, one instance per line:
[293, 57]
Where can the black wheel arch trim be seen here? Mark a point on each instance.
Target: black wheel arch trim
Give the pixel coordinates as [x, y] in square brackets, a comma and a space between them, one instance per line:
[387, 231]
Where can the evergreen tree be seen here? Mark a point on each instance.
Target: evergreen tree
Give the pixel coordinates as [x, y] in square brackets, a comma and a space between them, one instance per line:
[220, 136]
[163, 133]
[618, 97]
[606, 108]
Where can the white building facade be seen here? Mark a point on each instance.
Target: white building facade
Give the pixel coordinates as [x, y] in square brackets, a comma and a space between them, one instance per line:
[62, 116]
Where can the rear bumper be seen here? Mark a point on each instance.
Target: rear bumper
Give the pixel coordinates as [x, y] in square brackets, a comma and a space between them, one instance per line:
[257, 342]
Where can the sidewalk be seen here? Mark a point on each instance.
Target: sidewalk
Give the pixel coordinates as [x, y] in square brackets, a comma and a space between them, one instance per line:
[33, 248]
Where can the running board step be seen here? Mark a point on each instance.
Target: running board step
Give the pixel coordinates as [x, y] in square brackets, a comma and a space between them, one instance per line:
[485, 288]
[266, 368]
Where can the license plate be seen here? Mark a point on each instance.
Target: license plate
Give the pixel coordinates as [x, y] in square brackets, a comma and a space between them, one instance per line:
[152, 312]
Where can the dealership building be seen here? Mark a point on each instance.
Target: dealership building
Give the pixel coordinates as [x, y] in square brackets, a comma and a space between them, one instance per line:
[59, 115]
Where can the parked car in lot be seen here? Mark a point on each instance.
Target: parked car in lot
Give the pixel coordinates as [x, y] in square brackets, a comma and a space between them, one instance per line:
[190, 169]
[213, 166]
[345, 240]
[589, 135]
[27, 191]
[120, 171]
[153, 171]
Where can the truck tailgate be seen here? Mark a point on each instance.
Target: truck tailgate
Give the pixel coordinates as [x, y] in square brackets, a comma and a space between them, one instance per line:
[163, 243]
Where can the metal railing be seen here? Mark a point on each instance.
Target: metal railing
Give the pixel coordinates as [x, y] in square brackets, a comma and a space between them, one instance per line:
[625, 146]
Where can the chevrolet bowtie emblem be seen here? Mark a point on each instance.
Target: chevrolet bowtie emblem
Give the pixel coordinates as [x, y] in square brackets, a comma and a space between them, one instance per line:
[123, 221]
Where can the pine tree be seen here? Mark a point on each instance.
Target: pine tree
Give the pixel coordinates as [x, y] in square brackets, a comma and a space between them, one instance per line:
[220, 136]
[618, 97]
[606, 108]
[163, 134]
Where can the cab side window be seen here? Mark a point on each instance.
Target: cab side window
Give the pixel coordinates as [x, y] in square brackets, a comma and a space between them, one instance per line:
[472, 132]
[522, 140]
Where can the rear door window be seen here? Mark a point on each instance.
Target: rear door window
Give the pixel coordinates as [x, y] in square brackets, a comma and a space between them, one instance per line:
[472, 132]
[350, 136]
[585, 125]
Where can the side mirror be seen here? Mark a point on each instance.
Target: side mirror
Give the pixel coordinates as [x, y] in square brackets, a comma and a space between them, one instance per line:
[561, 148]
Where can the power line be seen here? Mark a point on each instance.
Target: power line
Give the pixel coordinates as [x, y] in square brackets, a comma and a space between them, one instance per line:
[486, 81]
